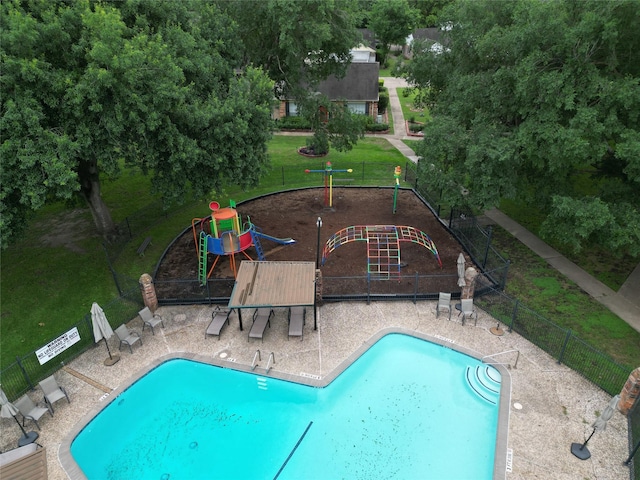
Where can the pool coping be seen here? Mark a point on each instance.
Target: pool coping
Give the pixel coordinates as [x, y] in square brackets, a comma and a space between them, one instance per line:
[73, 471]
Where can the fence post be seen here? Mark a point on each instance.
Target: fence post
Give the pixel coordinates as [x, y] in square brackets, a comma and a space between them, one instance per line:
[564, 346]
[514, 314]
[415, 290]
[24, 373]
[111, 269]
[283, 184]
[503, 282]
[126, 220]
[486, 250]
[451, 218]
[363, 171]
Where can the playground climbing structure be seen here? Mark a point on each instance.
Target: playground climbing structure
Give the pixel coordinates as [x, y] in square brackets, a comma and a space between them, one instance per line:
[223, 234]
[383, 247]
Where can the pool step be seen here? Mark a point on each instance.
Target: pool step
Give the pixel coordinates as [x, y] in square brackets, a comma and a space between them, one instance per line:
[262, 383]
[485, 381]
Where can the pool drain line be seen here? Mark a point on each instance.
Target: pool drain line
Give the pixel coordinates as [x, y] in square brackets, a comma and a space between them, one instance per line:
[293, 450]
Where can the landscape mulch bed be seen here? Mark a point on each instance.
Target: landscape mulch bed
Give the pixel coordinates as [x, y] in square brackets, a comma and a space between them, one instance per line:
[294, 214]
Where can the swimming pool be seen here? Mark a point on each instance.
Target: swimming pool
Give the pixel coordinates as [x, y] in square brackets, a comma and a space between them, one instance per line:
[406, 408]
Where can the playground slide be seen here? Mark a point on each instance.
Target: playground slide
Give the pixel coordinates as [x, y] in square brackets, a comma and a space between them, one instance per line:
[282, 241]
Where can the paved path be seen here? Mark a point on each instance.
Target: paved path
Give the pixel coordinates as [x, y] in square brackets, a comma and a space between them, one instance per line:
[625, 303]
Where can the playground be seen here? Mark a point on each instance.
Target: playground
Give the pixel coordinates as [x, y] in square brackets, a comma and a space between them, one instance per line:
[294, 215]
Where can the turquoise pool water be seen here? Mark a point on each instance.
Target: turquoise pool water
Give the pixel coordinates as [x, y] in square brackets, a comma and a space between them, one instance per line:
[407, 408]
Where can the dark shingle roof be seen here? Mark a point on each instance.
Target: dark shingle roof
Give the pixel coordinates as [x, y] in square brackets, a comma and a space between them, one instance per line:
[358, 85]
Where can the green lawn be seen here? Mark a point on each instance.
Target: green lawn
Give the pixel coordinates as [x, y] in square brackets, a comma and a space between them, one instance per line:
[409, 110]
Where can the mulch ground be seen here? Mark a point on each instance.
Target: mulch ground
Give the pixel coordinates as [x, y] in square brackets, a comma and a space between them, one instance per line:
[294, 215]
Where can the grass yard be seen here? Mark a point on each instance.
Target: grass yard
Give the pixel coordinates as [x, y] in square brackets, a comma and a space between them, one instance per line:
[409, 110]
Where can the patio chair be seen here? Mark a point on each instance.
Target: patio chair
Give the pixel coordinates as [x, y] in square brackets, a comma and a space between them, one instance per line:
[261, 317]
[219, 317]
[444, 304]
[127, 337]
[296, 321]
[30, 410]
[150, 319]
[467, 310]
[52, 392]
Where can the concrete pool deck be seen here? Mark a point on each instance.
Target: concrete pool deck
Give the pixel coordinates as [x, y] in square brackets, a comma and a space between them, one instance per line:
[556, 405]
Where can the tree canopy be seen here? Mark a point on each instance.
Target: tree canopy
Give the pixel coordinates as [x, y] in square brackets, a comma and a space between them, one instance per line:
[90, 86]
[539, 101]
[392, 21]
[298, 43]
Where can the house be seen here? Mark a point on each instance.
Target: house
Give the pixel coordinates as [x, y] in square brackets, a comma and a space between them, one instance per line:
[358, 88]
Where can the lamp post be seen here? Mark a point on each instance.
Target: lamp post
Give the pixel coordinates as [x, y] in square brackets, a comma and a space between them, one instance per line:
[319, 225]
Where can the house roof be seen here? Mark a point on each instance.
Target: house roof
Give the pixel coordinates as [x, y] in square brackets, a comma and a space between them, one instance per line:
[427, 34]
[360, 84]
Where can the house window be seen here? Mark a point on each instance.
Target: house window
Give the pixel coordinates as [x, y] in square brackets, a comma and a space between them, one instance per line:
[358, 107]
[292, 109]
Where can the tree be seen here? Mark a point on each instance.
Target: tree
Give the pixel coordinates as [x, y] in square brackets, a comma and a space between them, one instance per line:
[89, 87]
[539, 101]
[392, 21]
[298, 43]
[428, 11]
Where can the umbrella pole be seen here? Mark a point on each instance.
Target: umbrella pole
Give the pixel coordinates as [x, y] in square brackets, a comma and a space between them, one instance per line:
[111, 360]
[26, 438]
[580, 450]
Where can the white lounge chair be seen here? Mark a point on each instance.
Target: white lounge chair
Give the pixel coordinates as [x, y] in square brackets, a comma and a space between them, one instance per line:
[296, 321]
[150, 319]
[444, 304]
[30, 410]
[52, 392]
[127, 337]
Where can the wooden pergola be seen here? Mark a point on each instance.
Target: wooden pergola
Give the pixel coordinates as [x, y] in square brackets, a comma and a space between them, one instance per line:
[273, 285]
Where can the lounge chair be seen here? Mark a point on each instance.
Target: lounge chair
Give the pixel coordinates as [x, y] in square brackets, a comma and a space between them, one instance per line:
[30, 410]
[444, 304]
[296, 321]
[219, 317]
[52, 392]
[261, 317]
[127, 337]
[467, 310]
[150, 319]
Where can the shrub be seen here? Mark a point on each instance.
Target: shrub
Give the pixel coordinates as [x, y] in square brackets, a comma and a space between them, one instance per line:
[416, 127]
[380, 84]
[377, 127]
[292, 123]
[383, 102]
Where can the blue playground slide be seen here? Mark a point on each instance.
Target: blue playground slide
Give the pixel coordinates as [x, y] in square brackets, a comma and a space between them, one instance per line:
[283, 241]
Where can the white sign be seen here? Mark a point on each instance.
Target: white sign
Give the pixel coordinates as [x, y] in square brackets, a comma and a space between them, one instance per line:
[58, 345]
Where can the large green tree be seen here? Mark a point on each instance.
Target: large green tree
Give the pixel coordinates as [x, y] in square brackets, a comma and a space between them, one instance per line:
[392, 21]
[539, 101]
[299, 43]
[90, 86]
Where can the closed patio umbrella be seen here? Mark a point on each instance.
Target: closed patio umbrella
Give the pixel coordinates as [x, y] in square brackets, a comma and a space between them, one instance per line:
[102, 329]
[581, 451]
[461, 263]
[8, 410]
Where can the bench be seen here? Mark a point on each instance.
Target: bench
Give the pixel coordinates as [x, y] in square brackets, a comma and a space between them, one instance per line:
[143, 246]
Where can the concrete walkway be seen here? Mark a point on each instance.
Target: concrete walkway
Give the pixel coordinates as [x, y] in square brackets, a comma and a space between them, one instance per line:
[625, 303]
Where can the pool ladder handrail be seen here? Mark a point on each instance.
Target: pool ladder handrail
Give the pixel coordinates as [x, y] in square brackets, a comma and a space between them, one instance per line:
[256, 357]
[515, 365]
[271, 357]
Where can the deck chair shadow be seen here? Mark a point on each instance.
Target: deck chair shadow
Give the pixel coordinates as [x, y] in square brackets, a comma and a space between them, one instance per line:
[219, 317]
[261, 317]
[150, 319]
[296, 321]
[444, 304]
[127, 337]
[467, 310]
[30, 411]
[52, 392]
